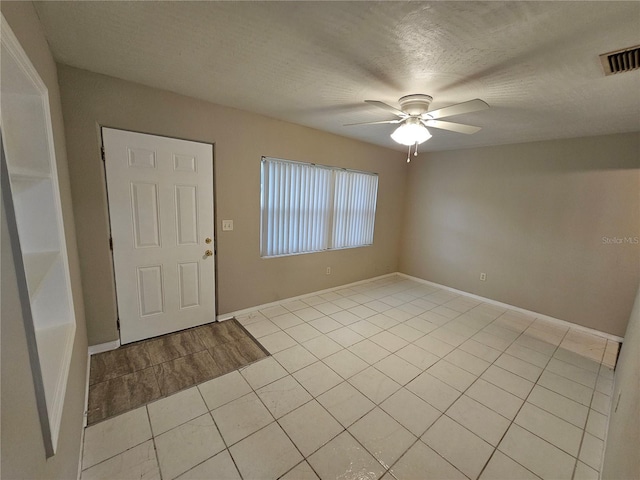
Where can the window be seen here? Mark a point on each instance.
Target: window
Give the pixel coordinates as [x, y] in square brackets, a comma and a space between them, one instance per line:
[310, 208]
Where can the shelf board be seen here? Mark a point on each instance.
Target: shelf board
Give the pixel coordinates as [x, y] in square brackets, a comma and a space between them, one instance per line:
[37, 266]
[18, 172]
[55, 346]
[51, 341]
[21, 181]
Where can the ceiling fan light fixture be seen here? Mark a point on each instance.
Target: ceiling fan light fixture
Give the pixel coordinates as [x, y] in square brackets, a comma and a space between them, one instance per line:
[411, 132]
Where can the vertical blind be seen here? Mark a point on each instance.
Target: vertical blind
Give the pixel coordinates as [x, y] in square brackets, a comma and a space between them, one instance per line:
[354, 208]
[309, 208]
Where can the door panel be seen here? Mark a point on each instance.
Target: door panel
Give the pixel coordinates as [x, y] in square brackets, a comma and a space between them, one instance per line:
[189, 277]
[187, 214]
[161, 211]
[146, 223]
[141, 158]
[150, 290]
[184, 163]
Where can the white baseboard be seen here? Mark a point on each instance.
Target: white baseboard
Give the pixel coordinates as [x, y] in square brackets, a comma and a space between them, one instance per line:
[86, 392]
[92, 350]
[103, 347]
[230, 315]
[81, 452]
[84, 414]
[557, 321]
[592, 331]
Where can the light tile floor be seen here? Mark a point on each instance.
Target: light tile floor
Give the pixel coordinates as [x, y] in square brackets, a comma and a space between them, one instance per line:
[388, 379]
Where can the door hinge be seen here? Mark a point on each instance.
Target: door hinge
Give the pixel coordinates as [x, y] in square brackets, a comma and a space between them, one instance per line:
[111, 243]
[118, 323]
[102, 153]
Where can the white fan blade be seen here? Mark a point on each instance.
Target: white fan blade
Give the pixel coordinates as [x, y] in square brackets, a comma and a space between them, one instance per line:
[388, 108]
[453, 127]
[374, 123]
[457, 109]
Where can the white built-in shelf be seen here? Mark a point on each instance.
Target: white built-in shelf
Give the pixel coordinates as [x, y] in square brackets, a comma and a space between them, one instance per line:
[37, 266]
[53, 343]
[30, 175]
[22, 183]
[36, 230]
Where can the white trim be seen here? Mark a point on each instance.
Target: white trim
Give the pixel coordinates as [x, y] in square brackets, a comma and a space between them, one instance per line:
[85, 412]
[564, 323]
[84, 415]
[81, 452]
[92, 350]
[103, 347]
[22, 59]
[230, 315]
[53, 405]
[542, 316]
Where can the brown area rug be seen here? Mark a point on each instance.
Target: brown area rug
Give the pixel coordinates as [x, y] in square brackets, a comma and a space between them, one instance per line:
[136, 374]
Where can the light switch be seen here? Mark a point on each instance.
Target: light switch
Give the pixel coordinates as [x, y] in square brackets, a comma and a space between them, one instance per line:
[227, 225]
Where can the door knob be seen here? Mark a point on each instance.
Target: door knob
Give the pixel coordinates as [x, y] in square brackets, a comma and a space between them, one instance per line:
[207, 240]
[208, 253]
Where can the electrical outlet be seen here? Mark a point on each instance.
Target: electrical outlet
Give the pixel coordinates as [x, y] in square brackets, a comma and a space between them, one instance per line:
[227, 225]
[328, 270]
[483, 277]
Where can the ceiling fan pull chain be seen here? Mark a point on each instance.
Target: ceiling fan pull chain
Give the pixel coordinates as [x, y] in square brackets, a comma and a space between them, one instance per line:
[415, 154]
[409, 154]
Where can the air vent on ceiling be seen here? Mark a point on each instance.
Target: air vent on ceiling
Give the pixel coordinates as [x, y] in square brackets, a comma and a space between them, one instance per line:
[620, 61]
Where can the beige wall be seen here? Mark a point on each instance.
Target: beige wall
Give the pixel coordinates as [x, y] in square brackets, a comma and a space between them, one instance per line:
[532, 217]
[240, 139]
[621, 460]
[23, 454]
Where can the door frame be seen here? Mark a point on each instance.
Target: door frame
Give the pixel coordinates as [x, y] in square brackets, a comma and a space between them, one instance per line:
[100, 126]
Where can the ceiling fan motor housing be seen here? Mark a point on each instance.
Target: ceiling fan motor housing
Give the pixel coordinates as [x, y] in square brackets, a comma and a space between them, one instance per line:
[416, 104]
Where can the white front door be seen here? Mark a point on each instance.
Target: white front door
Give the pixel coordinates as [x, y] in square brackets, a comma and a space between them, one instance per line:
[161, 211]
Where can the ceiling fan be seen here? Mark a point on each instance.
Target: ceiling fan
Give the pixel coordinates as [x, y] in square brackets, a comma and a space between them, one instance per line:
[414, 116]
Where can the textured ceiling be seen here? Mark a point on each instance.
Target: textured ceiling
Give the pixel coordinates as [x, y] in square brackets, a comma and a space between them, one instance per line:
[313, 63]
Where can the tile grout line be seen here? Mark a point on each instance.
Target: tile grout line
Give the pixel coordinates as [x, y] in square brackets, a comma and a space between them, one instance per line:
[551, 413]
[552, 357]
[584, 431]
[275, 420]
[534, 383]
[343, 428]
[502, 353]
[492, 363]
[153, 440]
[519, 409]
[155, 374]
[210, 413]
[402, 385]
[129, 448]
[224, 442]
[478, 378]
[606, 431]
[419, 439]
[377, 405]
